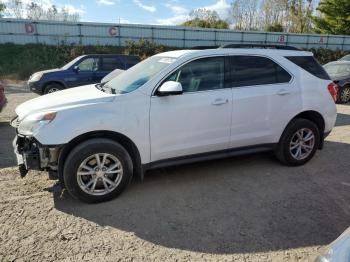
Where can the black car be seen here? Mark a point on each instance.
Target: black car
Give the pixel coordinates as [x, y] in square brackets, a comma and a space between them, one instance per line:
[83, 70]
[339, 71]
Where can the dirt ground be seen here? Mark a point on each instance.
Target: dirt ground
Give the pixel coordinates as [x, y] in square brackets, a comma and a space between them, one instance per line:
[248, 208]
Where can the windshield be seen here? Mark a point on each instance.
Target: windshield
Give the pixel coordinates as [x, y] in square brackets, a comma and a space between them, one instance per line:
[337, 69]
[67, 66]
[137, 75]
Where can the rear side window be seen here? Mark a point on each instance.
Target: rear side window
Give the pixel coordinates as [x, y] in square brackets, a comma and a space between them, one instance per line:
[309, 64]
[111, 63]
[254, 70]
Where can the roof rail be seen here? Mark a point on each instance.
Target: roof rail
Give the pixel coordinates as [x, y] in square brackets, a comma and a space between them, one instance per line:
[282, 47]
[202, 47]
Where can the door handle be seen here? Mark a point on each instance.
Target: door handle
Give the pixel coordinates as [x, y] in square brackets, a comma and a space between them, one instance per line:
[283, 92]
[219, 101]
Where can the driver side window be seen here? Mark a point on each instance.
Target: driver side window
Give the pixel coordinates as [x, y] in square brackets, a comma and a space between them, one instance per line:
[89, 65]
[200, 75]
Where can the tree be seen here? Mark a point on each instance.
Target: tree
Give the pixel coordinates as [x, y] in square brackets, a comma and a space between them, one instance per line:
[274, 28]
[52, 13]
[202, 17]
[35, 10]
[143, 48]
[2, 9]
[333, 17]
[300, 16]
[274, 12]
[15, 8]
[245, 14]
[273, 15]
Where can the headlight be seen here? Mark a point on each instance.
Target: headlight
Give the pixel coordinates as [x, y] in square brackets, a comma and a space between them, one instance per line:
[36, 77]
[34, 122]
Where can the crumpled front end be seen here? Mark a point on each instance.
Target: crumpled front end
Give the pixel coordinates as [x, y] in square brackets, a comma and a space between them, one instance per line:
[31, 155]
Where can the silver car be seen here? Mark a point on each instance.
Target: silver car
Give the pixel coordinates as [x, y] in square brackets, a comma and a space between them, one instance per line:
[338, 250]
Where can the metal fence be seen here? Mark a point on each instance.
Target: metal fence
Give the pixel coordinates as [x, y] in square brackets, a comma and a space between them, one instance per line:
[21, 31]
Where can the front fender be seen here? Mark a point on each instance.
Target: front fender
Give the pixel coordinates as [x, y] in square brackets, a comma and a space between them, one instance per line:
[129, 118]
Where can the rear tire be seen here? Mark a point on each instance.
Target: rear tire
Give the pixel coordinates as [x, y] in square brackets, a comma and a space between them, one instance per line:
[298, 142]
[344, 95]
[52, 88]
[97, 170]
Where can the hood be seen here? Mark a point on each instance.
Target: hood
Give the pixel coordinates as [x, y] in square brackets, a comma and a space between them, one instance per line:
[60, 100]
[45, 72]
[50, 71]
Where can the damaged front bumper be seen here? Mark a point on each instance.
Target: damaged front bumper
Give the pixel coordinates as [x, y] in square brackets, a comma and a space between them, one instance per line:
[31, 155]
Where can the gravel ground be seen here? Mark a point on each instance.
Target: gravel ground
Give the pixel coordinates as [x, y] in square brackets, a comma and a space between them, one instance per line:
[247, 208]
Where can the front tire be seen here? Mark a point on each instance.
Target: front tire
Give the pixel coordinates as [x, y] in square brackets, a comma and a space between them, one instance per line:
[52, 88]
[97, 170]
[298, 143]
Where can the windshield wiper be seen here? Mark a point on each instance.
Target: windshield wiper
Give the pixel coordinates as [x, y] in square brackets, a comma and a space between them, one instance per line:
[99, 86]
[113, 90]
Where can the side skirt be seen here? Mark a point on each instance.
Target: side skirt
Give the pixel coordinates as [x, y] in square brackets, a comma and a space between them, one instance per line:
[208, 156]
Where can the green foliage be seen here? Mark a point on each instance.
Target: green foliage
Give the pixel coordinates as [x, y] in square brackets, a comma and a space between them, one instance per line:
[327, 55]
[334, 18]
[196, 22]
[2, 8]
[205, 18]
[143, 48]
[274, 28]
[20, 61]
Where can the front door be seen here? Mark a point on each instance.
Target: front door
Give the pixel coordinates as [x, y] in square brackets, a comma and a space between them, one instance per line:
[196, 121]
[85, 72]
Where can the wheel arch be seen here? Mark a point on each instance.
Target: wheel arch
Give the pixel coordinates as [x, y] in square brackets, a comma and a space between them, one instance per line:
[125, 141]
[54, 82]
[314, 117]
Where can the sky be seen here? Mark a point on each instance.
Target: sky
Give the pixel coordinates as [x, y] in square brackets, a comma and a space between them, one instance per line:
[163, 12]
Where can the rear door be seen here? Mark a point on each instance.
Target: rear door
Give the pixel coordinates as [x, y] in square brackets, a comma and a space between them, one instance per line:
[265, 97]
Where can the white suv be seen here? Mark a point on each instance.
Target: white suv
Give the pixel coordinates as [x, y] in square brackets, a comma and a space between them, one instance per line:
[174, 108]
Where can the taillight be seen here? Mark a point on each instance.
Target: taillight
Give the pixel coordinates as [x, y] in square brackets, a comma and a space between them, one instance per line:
[333, 90]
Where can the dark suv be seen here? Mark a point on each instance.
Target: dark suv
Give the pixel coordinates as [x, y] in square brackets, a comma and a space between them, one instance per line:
[83, 70]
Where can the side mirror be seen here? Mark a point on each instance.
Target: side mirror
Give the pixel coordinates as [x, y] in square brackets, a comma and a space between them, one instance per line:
[76, 69]
[170, 88]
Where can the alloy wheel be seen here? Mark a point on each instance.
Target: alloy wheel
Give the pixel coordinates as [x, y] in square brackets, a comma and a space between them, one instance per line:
[99, 174]
[345, 95]
[52, 90]
[302, 143]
